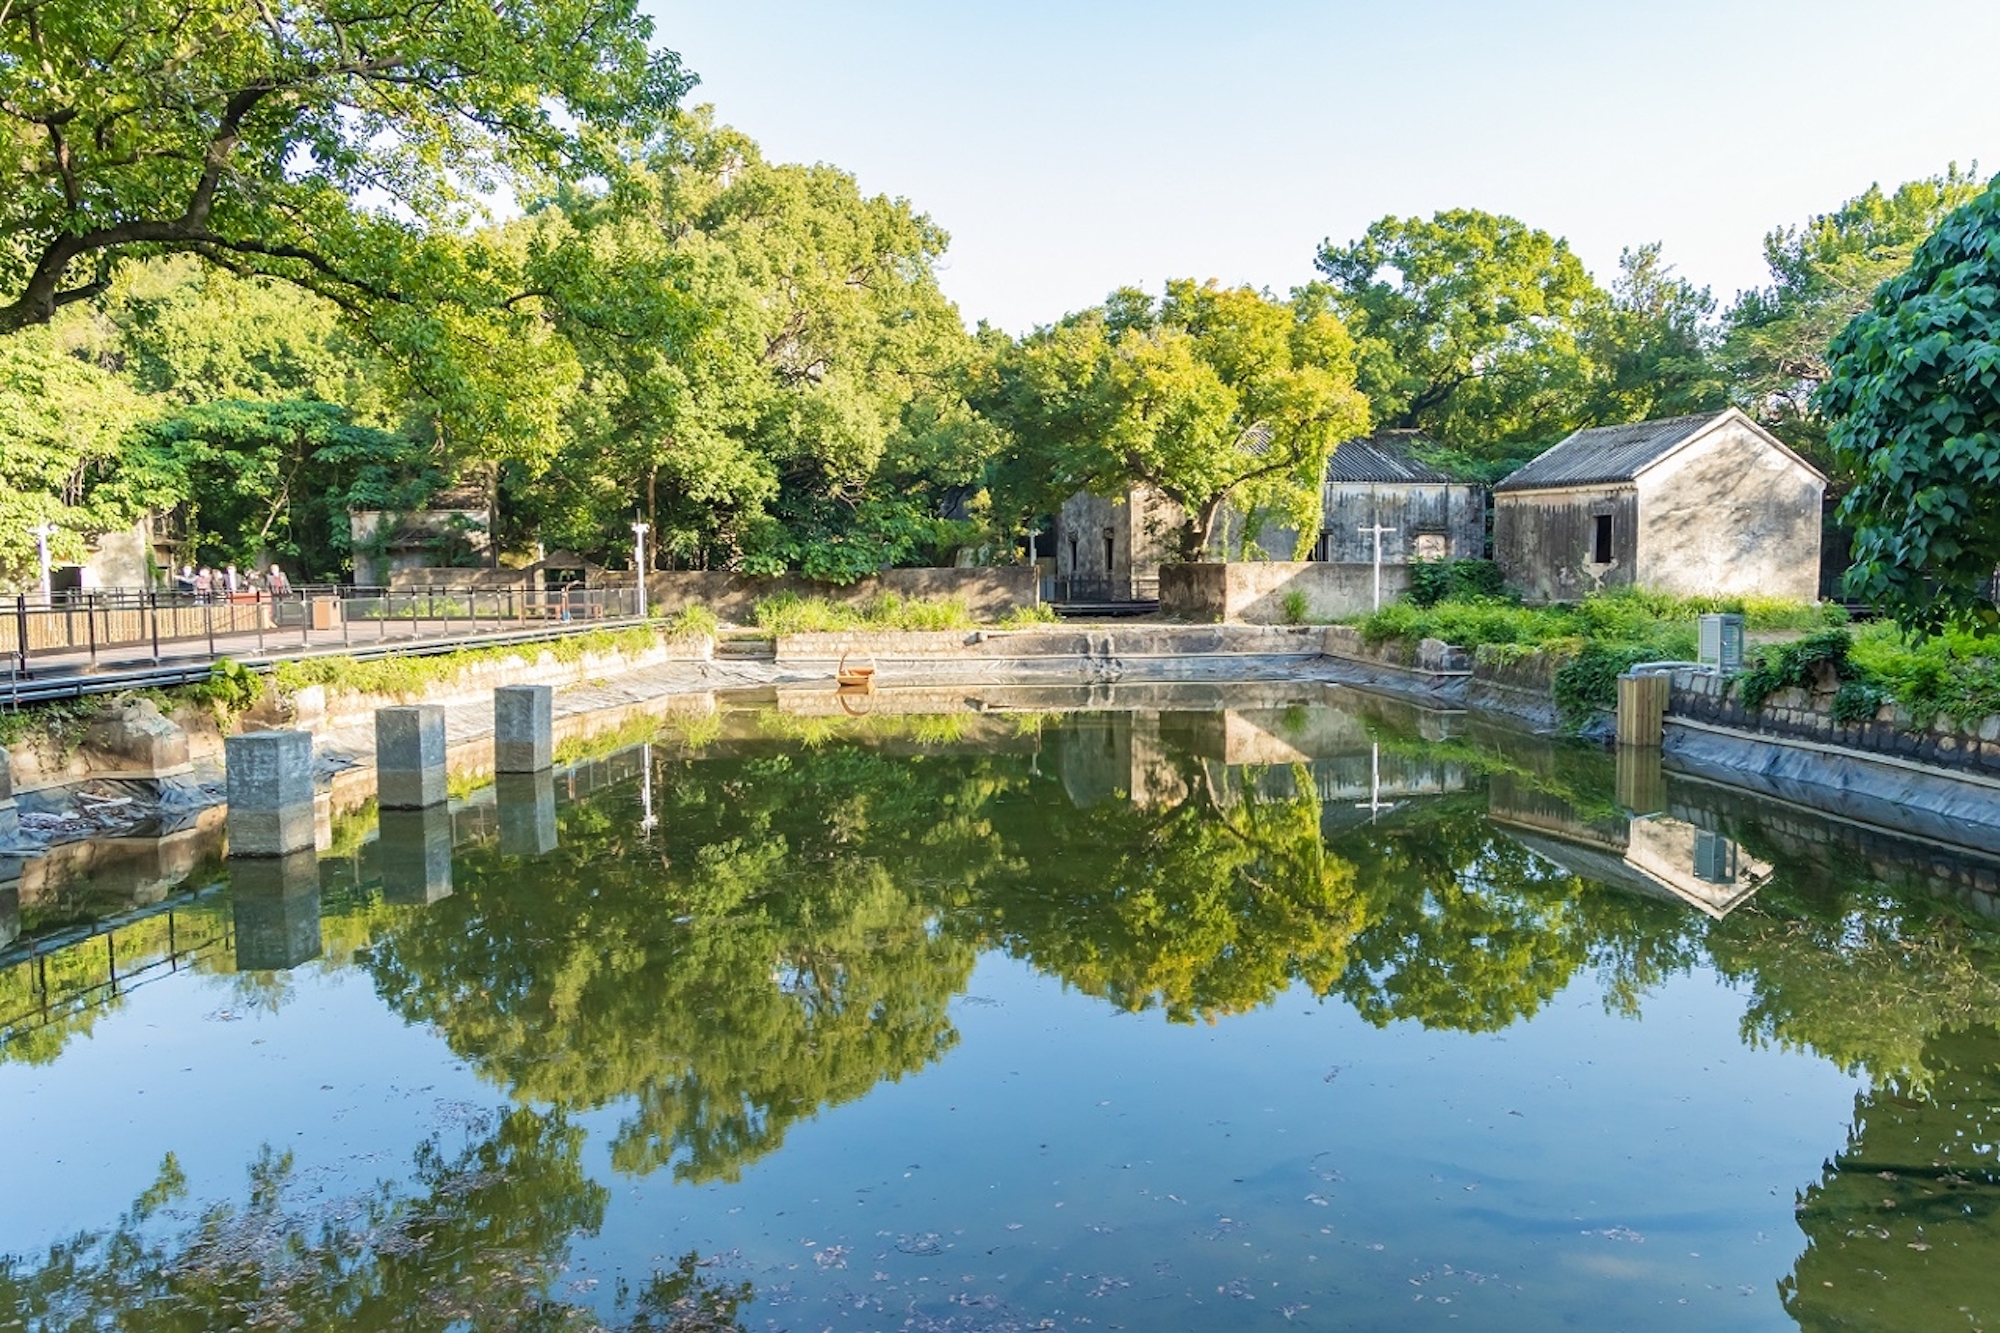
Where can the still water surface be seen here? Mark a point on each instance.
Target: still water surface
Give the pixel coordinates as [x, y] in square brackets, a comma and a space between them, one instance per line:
[1323, 1013]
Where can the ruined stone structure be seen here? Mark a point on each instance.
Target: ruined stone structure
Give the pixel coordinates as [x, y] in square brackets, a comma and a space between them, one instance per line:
[1113, 546]
[1687, 505]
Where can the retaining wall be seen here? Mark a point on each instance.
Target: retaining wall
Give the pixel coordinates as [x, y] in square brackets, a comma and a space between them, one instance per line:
[1972, 747]
[1057, 648]
[1254, 592]
[989, 593]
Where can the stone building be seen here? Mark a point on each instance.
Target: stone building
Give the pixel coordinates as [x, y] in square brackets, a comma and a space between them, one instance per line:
[1711, 503]
[1111, 548]
[1379, 482]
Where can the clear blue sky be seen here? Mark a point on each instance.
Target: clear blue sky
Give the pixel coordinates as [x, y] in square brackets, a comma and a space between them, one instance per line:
[1072, 148]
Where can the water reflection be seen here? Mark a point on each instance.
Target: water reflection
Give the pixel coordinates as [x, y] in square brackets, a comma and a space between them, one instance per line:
[718, 937]
[275, 909]
[413, 855]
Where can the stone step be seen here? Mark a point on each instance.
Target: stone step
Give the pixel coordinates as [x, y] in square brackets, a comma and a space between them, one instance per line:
[746, 648]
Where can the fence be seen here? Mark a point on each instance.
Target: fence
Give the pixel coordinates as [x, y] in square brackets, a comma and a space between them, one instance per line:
[133, 624]
[1131, 588]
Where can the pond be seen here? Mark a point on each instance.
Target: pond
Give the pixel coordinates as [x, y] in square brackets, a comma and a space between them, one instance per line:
[1312, 1011]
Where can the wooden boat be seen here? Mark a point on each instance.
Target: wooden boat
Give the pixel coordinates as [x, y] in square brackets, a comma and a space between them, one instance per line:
[854, 677]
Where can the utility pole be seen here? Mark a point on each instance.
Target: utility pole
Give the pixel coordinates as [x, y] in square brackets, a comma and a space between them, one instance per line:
[1378, 530]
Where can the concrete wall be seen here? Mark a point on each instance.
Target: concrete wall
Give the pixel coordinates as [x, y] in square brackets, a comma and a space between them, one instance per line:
[1542, 541]
[990, 593]
[1254, 593]
[1454, 515]
[1730, 514]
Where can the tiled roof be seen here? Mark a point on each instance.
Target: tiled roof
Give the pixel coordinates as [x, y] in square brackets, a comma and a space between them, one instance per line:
[1383, 457]
[1605, 454]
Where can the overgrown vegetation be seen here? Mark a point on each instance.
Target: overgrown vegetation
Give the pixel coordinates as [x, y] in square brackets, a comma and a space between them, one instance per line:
[411, 675]
[1027, 617]
[789, 613]
[1432, 581]
[1598, 638]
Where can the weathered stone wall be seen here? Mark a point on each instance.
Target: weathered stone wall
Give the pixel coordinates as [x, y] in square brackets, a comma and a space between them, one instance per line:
[1730, 514]
[1455, 515]
[1542, 541]
[1973, 747]
[989, 593]
[1053, 645]
[1138, 525]
[1254, 593]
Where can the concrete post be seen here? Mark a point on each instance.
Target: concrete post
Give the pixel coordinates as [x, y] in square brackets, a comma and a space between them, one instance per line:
[10, 817]
[523, 728]
[526, 803]
[409, 757]
[274, 906]
[413, 848]
[270, 782]
[1642, 710]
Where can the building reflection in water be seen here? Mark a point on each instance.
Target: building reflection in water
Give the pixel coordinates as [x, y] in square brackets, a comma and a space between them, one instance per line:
[1654, 854]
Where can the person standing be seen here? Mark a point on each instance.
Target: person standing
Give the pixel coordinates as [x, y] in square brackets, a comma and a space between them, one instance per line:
[280, 585]
[229, 579]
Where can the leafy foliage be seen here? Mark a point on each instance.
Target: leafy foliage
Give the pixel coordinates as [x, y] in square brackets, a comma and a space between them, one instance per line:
[1913, 401]
[1432, 581]
[1211, 396]
[1824, 273]
[1796, 665]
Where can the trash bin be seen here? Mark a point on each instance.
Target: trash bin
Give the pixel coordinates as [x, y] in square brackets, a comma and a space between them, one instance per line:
[326, 613]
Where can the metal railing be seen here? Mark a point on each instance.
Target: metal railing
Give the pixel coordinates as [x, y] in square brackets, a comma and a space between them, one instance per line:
[1098, 588]
[77, 631]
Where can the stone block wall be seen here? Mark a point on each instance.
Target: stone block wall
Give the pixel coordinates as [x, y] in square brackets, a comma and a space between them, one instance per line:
[1973, 747]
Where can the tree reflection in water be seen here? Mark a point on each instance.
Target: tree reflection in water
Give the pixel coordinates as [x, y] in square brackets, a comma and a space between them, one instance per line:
[480, 1239]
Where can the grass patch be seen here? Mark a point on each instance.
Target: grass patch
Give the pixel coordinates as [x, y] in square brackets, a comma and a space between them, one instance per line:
[1027, 617]
[406, 675]
[789, 613]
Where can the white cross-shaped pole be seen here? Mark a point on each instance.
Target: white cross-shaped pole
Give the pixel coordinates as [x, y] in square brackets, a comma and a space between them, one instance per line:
[1374, 803]
[1378, 530]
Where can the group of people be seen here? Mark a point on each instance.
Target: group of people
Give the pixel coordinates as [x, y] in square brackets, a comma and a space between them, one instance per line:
[222, 584]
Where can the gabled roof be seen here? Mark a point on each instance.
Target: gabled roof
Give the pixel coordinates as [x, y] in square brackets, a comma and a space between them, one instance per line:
[1384, 456]
[1609, 455]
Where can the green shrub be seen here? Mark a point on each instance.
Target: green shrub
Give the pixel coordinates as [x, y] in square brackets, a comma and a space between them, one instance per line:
[1856, 701]
[1023, 617]
[1432, 581]
[789, 613]
[1295, 608]
[691, 622]
[1794, 665]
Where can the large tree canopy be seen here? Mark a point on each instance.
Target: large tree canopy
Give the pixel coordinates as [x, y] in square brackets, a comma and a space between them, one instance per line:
[1913, 405]
[1212, 396]
[1469, 325]
[319, 141]
[771, 369]
[1823, 274]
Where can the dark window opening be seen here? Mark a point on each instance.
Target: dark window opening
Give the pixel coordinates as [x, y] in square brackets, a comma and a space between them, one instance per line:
[1072, 555]
[1108, 546]
[1600, 539]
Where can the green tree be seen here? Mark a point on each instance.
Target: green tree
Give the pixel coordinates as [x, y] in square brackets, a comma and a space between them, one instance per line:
[1912, 400]
[772, 370]
[1213, 396]
[63, 422]
[1471, 326]
[275, 480]
[322, 145]
[1823, 273]
[1654, 344]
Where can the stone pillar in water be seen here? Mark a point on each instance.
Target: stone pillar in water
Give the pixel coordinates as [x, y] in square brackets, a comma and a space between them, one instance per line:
[274, 909]
[270, 781]
[409, 757]
[523, 728]
[10, 901]
[413, 849]
[526, 804]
